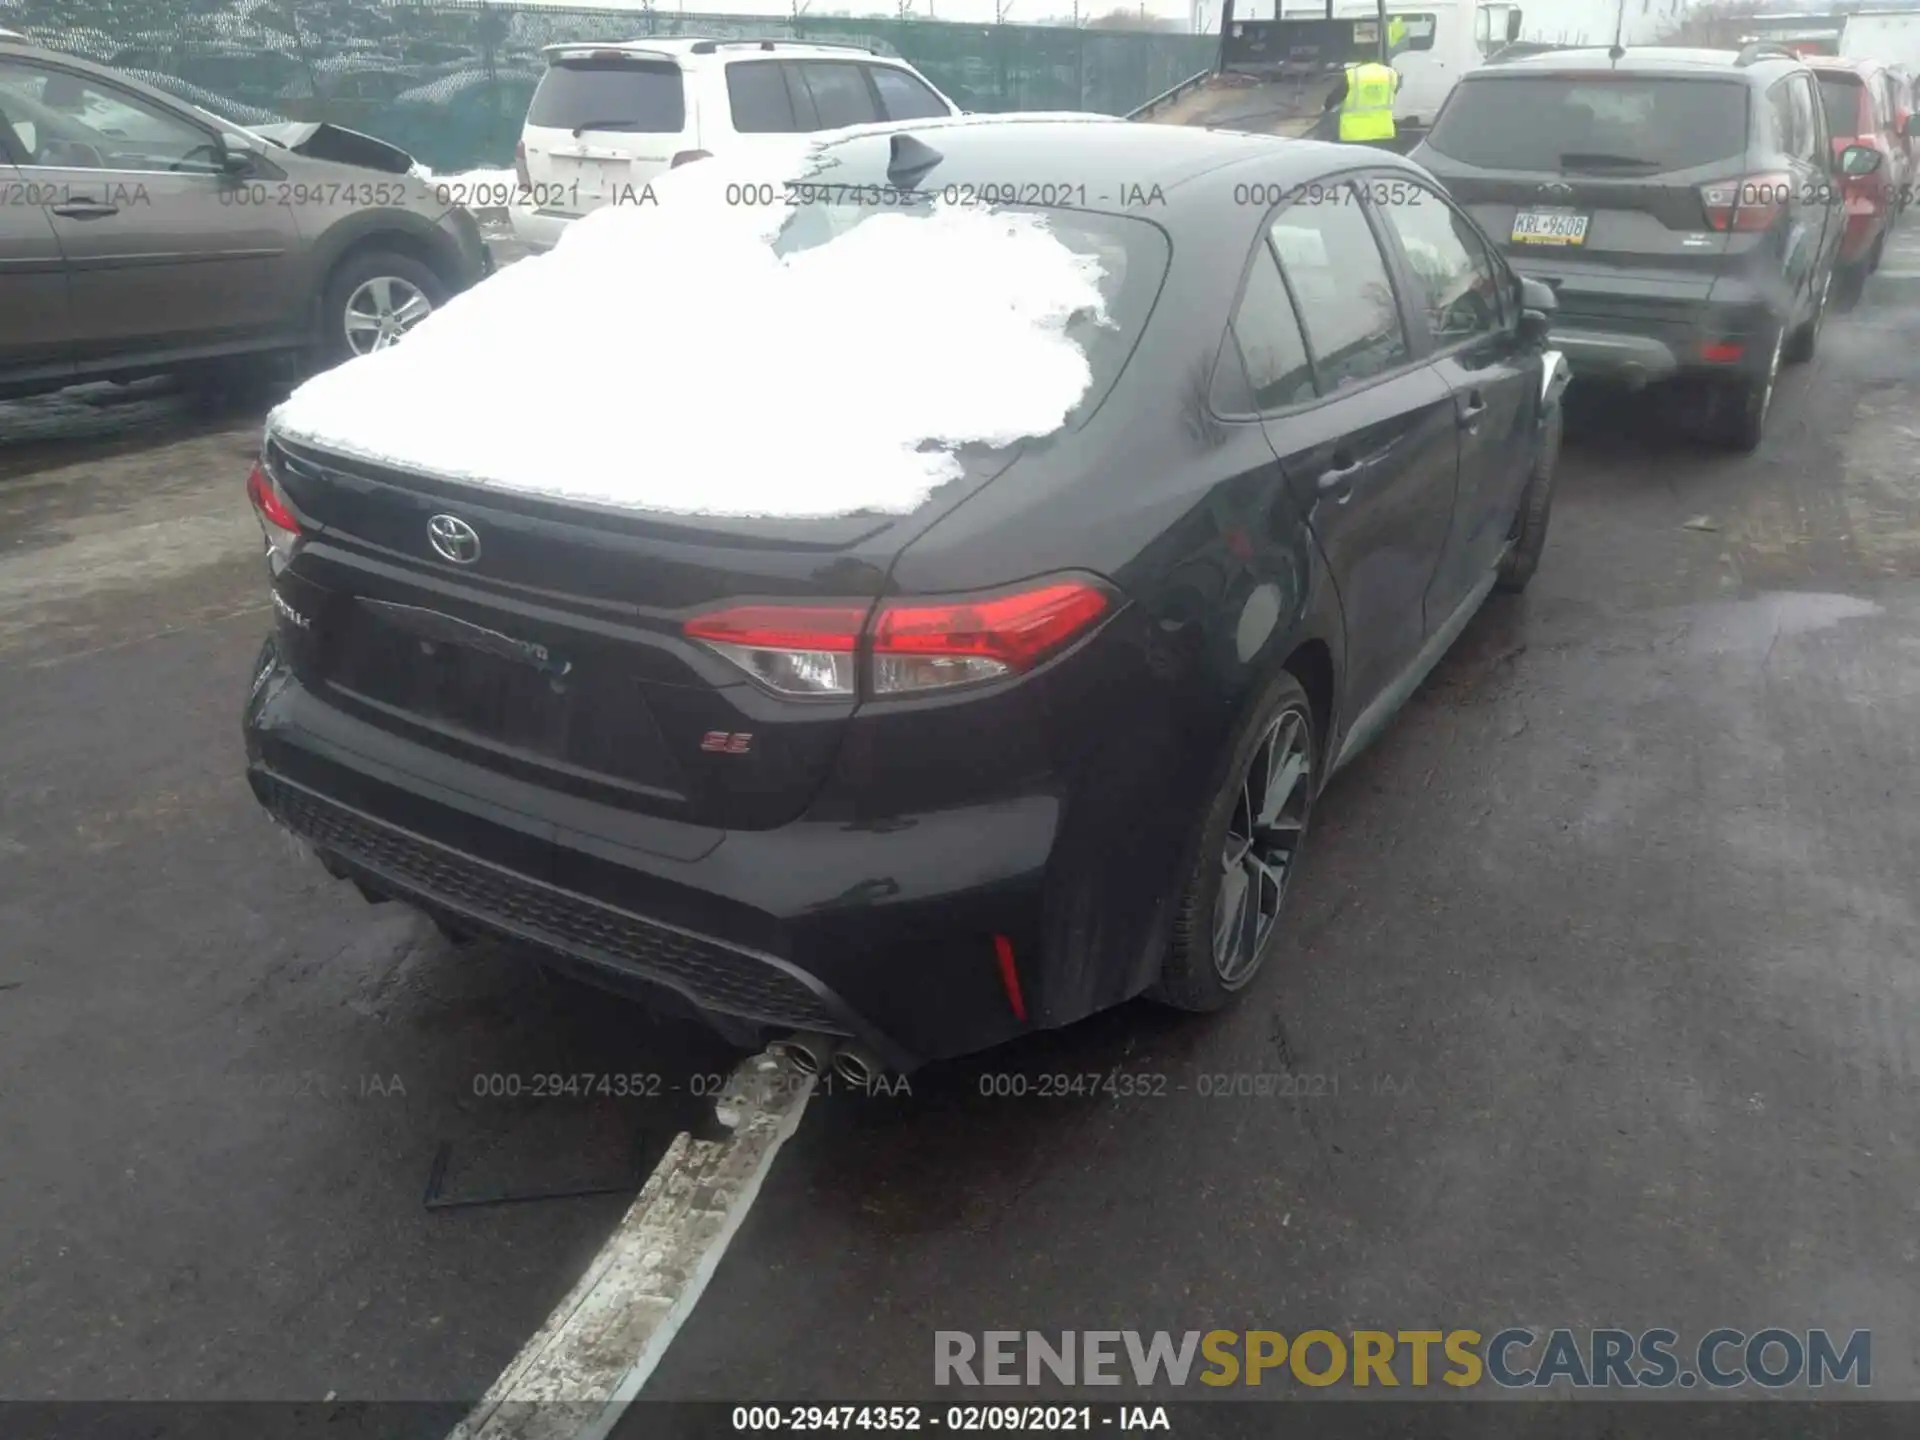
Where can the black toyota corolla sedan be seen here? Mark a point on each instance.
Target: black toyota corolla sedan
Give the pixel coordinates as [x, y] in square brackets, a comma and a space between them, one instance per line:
[892, 787]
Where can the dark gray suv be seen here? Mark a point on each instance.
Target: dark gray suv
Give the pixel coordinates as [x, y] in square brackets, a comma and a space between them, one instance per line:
[141, 235]
[1684, 205]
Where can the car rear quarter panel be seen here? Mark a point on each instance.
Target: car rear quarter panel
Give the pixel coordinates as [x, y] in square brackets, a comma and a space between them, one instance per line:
[1189, 516]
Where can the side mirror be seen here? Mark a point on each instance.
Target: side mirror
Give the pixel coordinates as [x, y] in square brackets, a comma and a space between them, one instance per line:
[1537, 306]
[1858, 160]
[1513, 25]
[1911, 129]
[236, 162]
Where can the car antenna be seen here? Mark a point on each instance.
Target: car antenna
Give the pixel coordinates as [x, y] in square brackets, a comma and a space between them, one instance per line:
[1618, 51]
[908, 160]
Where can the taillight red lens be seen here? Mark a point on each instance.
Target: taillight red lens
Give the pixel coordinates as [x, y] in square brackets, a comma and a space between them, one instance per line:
[928, 644]
[910, 646]
[520, 166]
[277, 524]
[781, 627]
[267, 503]
[1748, 205]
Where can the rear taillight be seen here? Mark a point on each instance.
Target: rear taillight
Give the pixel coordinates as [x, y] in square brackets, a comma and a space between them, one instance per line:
[925, 645]
[792, 649]
[270, 508]
[520, 167]
[904, 647]
[687, 157]
[1748, 205]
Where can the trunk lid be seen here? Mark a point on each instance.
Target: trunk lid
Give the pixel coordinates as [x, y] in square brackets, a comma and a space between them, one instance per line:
[556, 652]
[1599, 193]
[602, 122]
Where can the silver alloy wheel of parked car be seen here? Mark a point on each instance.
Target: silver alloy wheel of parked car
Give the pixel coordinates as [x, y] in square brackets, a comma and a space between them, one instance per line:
[1263, 836]
[381, 310]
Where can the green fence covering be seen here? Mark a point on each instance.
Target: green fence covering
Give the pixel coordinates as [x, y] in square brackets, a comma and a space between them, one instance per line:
[450, 81]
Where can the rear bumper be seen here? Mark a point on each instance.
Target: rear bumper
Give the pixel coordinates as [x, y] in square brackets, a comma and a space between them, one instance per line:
[1624, 358]
[881, 933]
[1716, 337]
[537, 230]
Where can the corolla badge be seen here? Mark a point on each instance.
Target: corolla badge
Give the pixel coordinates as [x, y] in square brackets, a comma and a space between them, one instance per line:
[453, 539]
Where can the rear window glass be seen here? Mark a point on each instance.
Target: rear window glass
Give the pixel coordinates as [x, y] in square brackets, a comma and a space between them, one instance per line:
[1131, 254]
[1841, 100]
[1536, 122]
[610, 93]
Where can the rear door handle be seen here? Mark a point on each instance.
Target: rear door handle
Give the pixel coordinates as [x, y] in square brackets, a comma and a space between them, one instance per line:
[86, 209]
[1471, 409]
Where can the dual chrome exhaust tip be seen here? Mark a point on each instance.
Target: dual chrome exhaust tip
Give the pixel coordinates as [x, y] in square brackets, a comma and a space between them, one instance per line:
[825, 1055]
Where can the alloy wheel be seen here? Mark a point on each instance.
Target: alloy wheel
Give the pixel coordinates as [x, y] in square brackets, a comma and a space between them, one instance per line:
[381, 310]
[1268, 823]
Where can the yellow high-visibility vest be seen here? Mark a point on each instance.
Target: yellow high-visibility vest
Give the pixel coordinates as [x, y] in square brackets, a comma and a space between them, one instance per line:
[1367, 112]
[1396, 34]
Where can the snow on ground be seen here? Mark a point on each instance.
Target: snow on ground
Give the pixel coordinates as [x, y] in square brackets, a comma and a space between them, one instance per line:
[663, 357]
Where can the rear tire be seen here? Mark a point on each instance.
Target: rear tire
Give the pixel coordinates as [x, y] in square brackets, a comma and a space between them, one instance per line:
[1746, 402]
[1231, 907]
[1806, 340]
[1529, 533]
[1850, 283]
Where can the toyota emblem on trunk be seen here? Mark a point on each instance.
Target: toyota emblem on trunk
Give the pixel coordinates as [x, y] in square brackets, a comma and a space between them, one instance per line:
[454, 539]
[1557, 190]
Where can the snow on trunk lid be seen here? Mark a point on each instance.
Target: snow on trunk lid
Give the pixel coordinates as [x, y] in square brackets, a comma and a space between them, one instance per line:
[665, 357]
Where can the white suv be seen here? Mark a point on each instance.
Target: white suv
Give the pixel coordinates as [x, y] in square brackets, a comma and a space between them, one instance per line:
[609, 116]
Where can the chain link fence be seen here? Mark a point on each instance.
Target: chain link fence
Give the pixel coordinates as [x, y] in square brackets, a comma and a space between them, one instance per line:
[449, 81]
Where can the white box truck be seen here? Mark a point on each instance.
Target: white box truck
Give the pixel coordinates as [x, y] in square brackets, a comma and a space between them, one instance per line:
[1891, 37]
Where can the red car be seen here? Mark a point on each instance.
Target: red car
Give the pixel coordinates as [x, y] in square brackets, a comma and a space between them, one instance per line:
[1868, 103]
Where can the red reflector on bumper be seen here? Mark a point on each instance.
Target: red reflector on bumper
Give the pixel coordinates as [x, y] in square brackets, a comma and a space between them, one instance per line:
[1010, 977]
[1723, 352]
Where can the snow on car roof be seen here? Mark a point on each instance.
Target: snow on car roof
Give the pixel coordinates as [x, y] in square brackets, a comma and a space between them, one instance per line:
[664, 357]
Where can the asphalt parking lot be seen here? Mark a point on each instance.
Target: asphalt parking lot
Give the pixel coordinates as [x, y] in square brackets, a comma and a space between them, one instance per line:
[1600, 1003]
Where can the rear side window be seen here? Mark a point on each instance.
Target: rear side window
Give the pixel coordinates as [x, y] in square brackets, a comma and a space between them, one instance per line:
[1784, 120]
[902, 96]
[1347, 304]
[1840, 98]
[840, 93]
[610, 92]
[1637, 124]
[1268, 333]
[1807, 114]
[757, 94]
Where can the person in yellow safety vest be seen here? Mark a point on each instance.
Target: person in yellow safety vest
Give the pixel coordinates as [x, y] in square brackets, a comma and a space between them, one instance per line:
[1366, 104]
[1396, 36]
